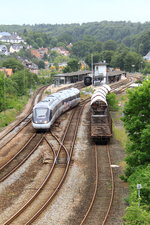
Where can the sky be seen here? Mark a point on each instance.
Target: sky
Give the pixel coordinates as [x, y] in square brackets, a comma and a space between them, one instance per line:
[72, 11]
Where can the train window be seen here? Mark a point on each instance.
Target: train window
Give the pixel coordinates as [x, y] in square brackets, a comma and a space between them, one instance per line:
[41, 112]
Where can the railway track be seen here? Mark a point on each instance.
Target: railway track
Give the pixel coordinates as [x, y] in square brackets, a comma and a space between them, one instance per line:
[9, 134]
[21, 156]
[63, 156]
[102, 199]
[61, 161]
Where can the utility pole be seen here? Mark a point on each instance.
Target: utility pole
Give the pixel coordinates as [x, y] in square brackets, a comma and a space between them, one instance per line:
[92, 69]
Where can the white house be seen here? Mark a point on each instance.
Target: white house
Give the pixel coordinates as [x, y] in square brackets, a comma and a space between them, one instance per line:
[147, 57]
[15, 48]
[14, 38]
[3, 50]
[4, 34]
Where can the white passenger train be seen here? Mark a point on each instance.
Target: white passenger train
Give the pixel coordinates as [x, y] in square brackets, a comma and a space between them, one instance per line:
[48, 110]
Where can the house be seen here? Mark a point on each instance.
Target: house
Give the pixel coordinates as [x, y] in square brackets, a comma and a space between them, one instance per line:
[7, 71]
[61, 51]
[15, 48]
[147, 57]
[28, 64]
[39, 53]
[3, 50]
[4, 34]
[35, 53]
[83, 65]
[62, 65]
[70, 45]
[13, 38]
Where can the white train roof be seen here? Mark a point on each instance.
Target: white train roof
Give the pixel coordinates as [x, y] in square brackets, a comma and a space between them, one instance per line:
[53, 99]
[98, 98]
[107, 87]
[100, 94]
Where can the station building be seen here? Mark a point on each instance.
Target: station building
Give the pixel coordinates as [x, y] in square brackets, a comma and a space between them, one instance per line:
[73, 77]
[100, 75]
[106, 75]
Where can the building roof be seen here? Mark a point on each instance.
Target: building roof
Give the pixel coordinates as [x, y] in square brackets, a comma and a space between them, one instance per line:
[114, 73]
[147, 56]
[5, 34]
[101, 64]
[3, 47]
[7, 71]
[73, 73]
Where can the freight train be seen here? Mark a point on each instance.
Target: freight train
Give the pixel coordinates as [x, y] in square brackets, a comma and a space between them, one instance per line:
[101, 123]
[48, 110]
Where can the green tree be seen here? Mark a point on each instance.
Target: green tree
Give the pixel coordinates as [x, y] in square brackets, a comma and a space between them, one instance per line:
[24, 80]
[41, 64]
[112, 101]
[146, 69]
[2, 91]
[98, 46]
[136, 120]
[81, 48]
[13, 64]
[73, 66]
[136, 216]
[110, 45]
[132, 59]
[106, 55]
[93, 58]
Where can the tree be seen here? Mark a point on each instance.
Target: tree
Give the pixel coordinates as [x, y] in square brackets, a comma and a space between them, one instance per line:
[13, 64]
[41, 64]
[106, 55]
[73, 66]
[23, 81]
[92, 58]
[2, 90]
[81, 48]
[132, 58]
[110, 45]
[146, 69]
[136, 120]
[136, 216]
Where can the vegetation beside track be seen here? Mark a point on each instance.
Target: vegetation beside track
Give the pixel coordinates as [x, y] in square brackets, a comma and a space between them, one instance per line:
[136, 119]
[9, 115]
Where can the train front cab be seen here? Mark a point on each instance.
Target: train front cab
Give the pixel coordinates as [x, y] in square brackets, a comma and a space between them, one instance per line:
[87, 80]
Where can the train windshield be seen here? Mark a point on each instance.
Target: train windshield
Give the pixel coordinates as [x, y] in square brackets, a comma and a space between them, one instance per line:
[41, 115]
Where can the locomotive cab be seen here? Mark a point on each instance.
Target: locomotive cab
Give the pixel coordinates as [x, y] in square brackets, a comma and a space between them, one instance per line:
[41, 115]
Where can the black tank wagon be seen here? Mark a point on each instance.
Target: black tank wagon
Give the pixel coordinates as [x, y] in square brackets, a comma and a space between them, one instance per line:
[101, 123]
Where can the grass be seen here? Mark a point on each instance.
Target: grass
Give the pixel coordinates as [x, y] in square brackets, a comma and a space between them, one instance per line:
[119, 130]
[9, 115]
[120, 135]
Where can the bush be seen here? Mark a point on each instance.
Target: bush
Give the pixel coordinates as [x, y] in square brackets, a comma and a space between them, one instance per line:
[112, 101]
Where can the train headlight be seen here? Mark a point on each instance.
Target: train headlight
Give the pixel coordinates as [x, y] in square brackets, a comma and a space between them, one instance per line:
[45, 121]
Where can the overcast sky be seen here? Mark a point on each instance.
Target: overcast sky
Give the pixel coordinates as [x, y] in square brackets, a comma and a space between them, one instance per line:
[73, 11]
